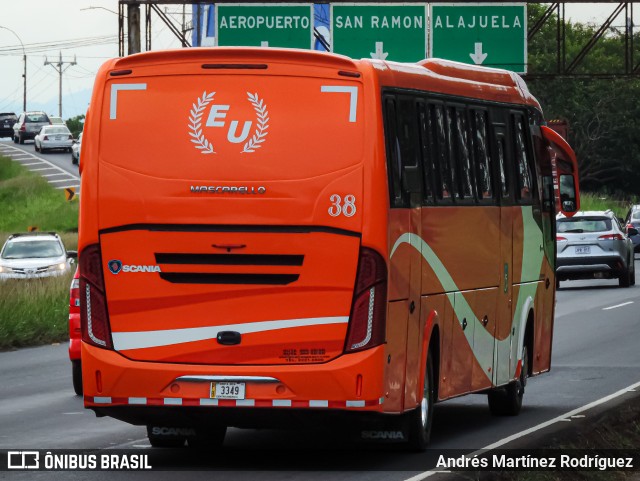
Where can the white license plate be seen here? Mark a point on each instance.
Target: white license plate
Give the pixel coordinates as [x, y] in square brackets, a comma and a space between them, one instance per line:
[227, 390]
[583, 250]
[59, 137]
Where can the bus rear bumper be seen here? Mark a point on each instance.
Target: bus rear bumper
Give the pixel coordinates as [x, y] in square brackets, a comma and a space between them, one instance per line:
[179, 394]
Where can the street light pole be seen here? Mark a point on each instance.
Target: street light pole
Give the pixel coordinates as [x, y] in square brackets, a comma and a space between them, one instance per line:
[24, 74]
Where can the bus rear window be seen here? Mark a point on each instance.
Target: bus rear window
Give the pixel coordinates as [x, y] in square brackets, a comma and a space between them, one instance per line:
[232, 127]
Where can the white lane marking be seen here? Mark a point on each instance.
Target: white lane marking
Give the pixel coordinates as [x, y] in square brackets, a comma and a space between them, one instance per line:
[56, 181]
[67, 186]
[53, 175]
[44, 168]
[33, 163]
[43, 161]
[513, 437]
[617, 305]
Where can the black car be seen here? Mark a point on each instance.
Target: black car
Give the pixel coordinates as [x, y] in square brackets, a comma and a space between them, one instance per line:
[7, 119]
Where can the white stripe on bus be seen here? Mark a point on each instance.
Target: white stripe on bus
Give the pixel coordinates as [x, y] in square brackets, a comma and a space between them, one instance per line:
[123, 341]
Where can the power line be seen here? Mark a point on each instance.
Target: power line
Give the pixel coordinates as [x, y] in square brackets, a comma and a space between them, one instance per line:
[60, 68]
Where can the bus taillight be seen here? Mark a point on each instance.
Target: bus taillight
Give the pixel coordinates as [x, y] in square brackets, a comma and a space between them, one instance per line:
[368, 311]
[93, 304]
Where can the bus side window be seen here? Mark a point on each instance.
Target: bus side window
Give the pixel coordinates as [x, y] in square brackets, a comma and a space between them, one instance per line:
[462, 159]
[428, 154]
[482, 160]
[442, 147]
[394, 160]
[502, 171]
[448, 168]
[408, 137]
[524, 177]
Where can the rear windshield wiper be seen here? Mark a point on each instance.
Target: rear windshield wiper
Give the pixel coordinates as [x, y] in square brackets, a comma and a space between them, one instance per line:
[574, 231]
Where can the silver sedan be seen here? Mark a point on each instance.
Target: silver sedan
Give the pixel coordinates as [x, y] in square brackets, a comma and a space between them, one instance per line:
[53, 137]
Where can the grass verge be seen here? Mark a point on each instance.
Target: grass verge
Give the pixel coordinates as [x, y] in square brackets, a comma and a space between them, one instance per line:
[28, 200]
[34, 311]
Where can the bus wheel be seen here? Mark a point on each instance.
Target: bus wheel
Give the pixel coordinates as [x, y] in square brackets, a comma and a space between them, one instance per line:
[212, 438]
[164, 437]
[507, 401]
[421, 419]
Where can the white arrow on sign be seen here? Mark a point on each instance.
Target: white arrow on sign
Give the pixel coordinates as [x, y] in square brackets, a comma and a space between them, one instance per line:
[379, 52]
[478, 57]
[264, 43]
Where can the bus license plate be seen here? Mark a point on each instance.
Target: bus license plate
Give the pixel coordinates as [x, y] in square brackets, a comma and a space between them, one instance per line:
[583, 250]
[227, 390]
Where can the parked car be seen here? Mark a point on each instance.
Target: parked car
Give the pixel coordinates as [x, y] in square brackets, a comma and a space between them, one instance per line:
[7, 119]
[633, 221]
[56, 120]
[52, 137]
[75, 334]
[31, 255]
[28, 125]
[75, 150]
[593, 245]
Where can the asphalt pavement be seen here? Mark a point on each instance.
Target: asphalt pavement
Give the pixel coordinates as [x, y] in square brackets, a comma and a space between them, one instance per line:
[595, 354]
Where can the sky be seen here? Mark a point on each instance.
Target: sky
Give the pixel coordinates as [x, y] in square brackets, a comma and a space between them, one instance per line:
[87, 31]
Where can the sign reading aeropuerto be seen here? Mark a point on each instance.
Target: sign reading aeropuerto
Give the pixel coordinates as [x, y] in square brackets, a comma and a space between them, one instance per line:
[265, 25]
[487, 34]
[387, 31]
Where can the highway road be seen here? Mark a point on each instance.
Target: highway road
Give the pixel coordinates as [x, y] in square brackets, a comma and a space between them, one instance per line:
[55, 166]
[595, 353]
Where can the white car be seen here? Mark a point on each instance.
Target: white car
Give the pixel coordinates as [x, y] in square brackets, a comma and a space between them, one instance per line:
[56, 120]
[33, 255]
[75, 150]
[53, 137]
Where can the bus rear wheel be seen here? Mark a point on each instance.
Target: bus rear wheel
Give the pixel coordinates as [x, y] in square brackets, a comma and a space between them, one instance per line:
[507, 401]
[421, 419]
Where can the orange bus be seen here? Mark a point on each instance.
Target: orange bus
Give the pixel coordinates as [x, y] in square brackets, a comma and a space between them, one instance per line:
[272, 234]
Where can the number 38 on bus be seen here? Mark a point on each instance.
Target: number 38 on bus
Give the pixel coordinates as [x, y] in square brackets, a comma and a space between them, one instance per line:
[273, 235]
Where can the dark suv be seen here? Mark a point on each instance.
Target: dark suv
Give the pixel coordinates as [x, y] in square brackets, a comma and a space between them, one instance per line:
[7, 119]
[28, 125]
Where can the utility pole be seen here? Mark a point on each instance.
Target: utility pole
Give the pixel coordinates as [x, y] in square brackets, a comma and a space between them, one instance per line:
[133, 22]
[24, 74]
[59, 67]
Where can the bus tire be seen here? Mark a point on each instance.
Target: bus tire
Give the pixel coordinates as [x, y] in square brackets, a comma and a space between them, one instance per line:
[213, 438]
[507, 401]
[76, 376]
[164, 440]
[421, 418]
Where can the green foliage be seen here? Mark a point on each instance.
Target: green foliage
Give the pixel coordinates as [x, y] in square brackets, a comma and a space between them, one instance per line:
[34, 311]
[600, 201]
[76, 125]
[603, 113]
[28, 200]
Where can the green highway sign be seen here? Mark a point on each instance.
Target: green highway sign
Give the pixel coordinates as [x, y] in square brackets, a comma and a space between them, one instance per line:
[487, 34]
[265, 25]
[388, 31]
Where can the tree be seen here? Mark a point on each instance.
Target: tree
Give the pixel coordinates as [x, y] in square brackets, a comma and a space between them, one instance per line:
[76, 125]
[603, 114]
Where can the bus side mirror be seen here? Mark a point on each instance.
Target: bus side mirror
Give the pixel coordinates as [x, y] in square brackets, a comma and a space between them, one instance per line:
[631, 231]
[568, 193]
